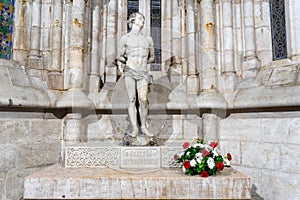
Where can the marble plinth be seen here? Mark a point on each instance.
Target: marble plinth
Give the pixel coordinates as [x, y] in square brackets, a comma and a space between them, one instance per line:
[57, 182]
[117, 156]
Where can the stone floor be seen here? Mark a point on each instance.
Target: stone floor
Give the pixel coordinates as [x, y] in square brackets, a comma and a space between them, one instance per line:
[57, 182]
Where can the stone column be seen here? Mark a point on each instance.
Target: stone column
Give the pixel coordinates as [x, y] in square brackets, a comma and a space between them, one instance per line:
[183, 38]
[72, 129]
[74, 98]
[208, 62]
[192, 79]
[209, 97]
[175, 70]
[294, 18]
[21, 32]
[166, 34]
[145, 7]
[77, 45]
[34, 57]
[175, 27]
[94, 70]
[263, 32]
[227, 37]
[66, 29]
[55, 75]
[251, 63]
[210, 127]
[103, 40]
[111, 44]
[229, 77]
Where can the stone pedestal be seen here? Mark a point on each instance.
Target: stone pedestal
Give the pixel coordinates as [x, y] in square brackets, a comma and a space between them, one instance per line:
[121, 157]
[57, 182]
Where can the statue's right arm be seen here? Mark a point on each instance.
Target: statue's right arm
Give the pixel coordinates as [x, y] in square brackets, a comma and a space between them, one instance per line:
[122, 50]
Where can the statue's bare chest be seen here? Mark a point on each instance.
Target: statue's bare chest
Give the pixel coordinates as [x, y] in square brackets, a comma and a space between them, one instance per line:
[134, 41]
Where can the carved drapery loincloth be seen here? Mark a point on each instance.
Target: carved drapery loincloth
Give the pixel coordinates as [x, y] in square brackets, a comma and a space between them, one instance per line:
[137, 75]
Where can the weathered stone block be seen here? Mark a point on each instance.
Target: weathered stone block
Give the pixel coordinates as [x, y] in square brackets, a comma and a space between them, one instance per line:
[240, 129]
[46, 130]
[22, 131]
[18, 77]
[263, 76]
[56, 81]
[260, 155]
[2, 185]
[4, 77]
[286, 184]
[274, 129]
[8, 156]
[38, 154]
[281, 130]
[289, 155]
[268, 97]
[15, 182]
[284, 75]
[293, 136]
[191, 128]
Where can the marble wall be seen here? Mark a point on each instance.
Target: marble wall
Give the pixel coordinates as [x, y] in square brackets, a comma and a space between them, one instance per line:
[28, 143]
[265, 146]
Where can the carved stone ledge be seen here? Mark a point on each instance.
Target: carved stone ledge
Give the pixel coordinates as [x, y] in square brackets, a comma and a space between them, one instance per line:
[57, 182]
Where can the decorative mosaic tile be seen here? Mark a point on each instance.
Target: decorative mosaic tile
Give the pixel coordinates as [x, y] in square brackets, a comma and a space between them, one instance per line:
[6, 28]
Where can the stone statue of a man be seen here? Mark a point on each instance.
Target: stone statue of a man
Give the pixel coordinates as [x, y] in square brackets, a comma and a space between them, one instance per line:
[136, 51]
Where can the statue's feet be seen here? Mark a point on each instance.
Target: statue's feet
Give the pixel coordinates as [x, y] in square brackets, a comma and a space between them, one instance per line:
[146, 132]
[134, 133]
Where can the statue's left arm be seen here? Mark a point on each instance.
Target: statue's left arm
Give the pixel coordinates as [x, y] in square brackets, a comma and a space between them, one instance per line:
[151, 50]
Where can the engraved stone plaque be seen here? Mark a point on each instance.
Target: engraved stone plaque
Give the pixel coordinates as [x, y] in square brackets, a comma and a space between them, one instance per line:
[140, 157]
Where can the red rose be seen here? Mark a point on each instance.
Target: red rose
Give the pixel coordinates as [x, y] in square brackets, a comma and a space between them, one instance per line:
[176, 157]
[186, 164]
[186, 145]
[213, 144]
[229, 157]
[220, 166]
[204, 174]
[205, 153]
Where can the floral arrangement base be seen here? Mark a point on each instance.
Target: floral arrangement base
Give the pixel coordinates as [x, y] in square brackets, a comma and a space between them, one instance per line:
[57, 182]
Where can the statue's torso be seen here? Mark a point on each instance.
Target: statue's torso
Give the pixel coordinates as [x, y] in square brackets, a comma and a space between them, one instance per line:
[137, 51]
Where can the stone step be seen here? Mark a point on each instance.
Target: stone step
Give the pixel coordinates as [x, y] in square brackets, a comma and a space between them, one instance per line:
[57, 182]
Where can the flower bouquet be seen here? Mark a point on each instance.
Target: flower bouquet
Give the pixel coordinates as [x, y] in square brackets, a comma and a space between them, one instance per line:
[202, 159]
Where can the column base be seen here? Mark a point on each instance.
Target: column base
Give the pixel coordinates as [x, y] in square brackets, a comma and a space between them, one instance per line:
[193, 85]
[251, 66]
[229, 82]
[74, 98]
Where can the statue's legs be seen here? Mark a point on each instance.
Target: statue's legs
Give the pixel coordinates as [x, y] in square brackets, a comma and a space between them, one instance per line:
[131, 91]
[142, 87]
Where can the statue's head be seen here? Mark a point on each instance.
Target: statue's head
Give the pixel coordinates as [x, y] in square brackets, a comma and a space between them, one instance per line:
[133, 17]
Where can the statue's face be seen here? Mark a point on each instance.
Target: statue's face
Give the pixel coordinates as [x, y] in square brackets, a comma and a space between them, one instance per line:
[139, 20]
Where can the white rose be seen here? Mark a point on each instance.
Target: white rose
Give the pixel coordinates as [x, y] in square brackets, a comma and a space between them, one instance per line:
[226, 162]
[215, 153]
[198, 155]
[193, 163]
[211, 163]
[199, 160]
